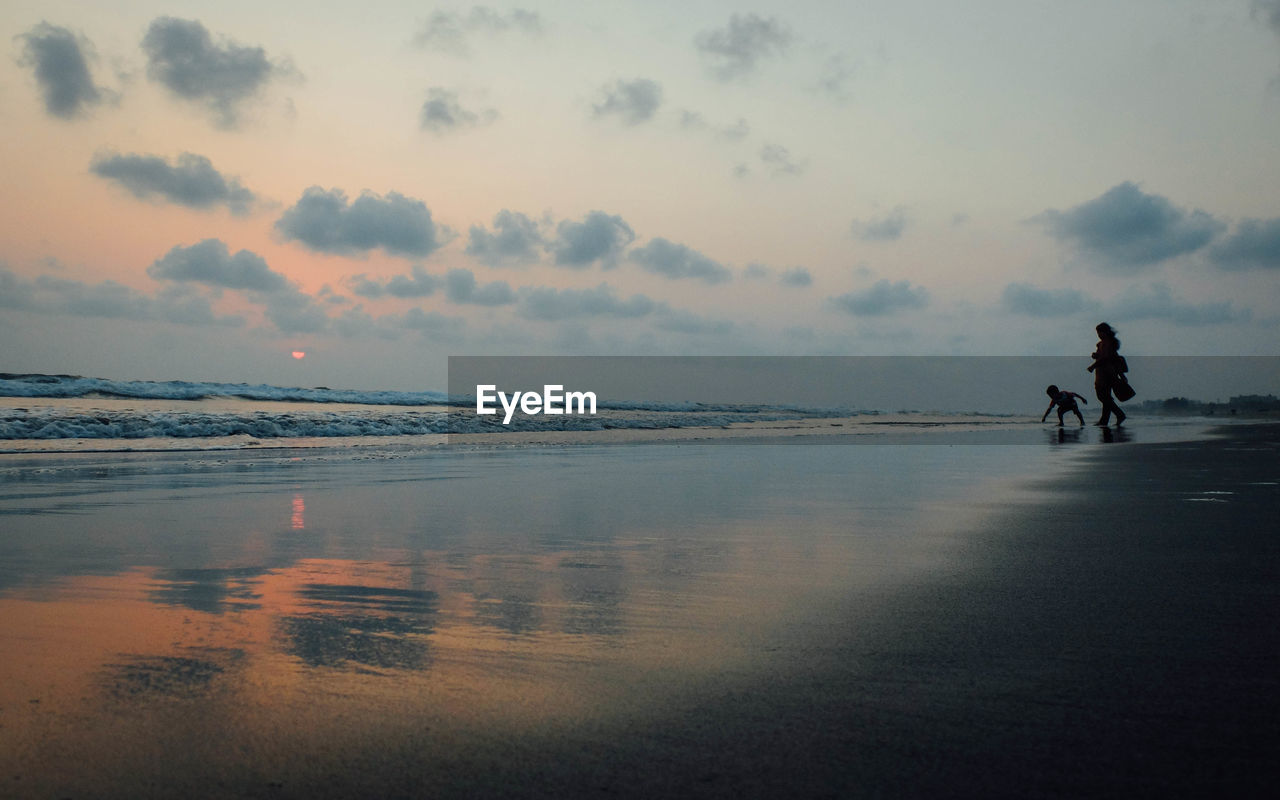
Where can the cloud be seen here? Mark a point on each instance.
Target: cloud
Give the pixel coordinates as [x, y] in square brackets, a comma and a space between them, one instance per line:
[735, 132]
[733, 51]
[461, 287]
[326, 294]
[516, 239]
[882, 299]
[835, 77]
[418, 283]
[192, 181]
[1022, 298]
[365, 286]
[443, 113]
[356, 321]
[796, 276]
[182, 56]
[545, 303]
[756, 270]
[62, 70]
[1255, 244]
[183, 306]
[633, 102]
[433, 324]
[1269, 10]
[692, 120]
[448, 31]
[695, 121]
[323, 222]
[779, 160]
[108, 300]
[211, 263]
[676, 261]
[292, 311]
[599, 237]
[1157, 301]
[885, 229]
[15, 292]
[1128, 230]
[679, 321]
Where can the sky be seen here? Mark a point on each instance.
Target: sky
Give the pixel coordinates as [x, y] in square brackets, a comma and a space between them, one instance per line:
[196, 191]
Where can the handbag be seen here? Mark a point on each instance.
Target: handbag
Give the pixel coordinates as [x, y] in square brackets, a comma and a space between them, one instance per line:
[1122, 389]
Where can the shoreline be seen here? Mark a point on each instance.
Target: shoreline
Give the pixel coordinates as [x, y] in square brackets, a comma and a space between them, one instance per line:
[904, 428]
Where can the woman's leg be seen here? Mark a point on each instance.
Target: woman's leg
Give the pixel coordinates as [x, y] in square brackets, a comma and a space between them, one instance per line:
[1103, 390]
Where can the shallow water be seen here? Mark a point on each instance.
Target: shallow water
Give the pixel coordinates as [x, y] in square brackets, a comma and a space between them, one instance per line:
[292, 604]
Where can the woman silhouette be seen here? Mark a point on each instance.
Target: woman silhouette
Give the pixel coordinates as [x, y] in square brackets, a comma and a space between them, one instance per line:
[1106, 369]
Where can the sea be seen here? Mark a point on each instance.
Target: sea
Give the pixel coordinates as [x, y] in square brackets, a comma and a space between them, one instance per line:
[72, 413]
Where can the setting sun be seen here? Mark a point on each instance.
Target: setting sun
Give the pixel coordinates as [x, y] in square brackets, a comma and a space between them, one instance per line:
[298, 354]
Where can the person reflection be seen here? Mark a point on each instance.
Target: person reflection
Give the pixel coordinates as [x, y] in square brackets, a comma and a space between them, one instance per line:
[1065, 436]
[1118, 436]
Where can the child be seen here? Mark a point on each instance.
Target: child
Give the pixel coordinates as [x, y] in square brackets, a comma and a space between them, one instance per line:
[1065, 401]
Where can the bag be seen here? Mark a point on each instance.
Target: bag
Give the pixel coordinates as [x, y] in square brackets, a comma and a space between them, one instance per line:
[1123, 390]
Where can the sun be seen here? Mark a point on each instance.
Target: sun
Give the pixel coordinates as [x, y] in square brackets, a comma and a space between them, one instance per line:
[299, 354]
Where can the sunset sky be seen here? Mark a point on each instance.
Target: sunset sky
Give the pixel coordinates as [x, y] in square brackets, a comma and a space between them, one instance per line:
[195, 191]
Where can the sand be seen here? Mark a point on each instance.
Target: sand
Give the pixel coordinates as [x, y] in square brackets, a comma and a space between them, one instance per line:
[1116, 640]
[269, 629]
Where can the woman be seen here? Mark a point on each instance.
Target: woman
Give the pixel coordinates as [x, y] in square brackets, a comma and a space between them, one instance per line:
[1106, 371]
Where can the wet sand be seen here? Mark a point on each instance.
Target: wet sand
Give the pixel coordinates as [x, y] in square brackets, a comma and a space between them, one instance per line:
[1116, 638]
[1107, 631]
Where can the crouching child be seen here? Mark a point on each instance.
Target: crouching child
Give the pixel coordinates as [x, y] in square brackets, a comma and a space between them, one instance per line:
[1065, 401]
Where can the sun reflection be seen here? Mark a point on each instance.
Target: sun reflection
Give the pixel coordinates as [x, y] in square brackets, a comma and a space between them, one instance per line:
[297, 520]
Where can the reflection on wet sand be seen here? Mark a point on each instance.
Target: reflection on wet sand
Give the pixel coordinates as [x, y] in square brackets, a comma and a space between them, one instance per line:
[213, 591]
[418, 613]
[369, 626]
[160, 666]
[498, 629]
[170, 675]
[1090, 434]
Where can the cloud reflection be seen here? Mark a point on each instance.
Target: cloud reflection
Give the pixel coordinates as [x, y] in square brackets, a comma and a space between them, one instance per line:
[596, 598]
[370, 626]
[213, 591]
[173, 676]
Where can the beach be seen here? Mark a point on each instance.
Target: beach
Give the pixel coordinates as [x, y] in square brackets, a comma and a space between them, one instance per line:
[1065, 618]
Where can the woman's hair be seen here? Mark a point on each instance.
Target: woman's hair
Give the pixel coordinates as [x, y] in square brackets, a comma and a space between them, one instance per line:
[1105, 331]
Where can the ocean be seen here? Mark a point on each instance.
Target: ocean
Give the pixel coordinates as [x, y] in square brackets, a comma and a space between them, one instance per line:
[69, 413]
[97, 413]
